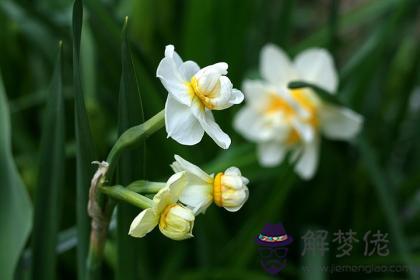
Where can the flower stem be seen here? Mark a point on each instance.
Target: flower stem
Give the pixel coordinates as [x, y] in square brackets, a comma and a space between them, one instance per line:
[133, 136]
[105, 206]
[126, 195]
[142, 186]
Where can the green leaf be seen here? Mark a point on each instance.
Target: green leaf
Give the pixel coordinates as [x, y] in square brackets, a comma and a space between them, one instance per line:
[313, 265]
[35, 31]
[50, 180]
[131, 165]
[15, 206]
[387, 201]
[84, 146]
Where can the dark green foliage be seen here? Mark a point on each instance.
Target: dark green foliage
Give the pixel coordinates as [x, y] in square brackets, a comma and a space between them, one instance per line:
[51, 176]
[371, 183]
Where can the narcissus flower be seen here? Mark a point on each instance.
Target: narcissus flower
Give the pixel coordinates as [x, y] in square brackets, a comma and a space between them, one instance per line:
[280, 119]
[175, 220]
[193, 94]
[227, 189]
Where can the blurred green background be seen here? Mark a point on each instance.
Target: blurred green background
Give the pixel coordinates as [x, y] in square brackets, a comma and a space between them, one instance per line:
[369, 184]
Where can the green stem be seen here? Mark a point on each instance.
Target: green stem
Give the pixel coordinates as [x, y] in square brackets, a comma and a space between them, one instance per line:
[131, 137]
[126, 195]
[142, 186]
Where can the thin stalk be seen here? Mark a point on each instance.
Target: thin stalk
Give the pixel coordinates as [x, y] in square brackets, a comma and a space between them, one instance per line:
[127, 140]
[142, 186]
[123, 194]
[132, 136]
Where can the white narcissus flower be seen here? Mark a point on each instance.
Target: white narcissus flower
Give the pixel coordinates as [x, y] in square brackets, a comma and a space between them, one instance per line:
[175, 221]
[280, 119]
[227, 189]
[193, 94]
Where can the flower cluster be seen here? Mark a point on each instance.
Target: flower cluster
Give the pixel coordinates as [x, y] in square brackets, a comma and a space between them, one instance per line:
[189, 192]
[282, 120]
[279, 119]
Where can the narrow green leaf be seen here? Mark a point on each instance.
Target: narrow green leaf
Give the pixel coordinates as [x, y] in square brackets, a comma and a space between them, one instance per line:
[131, 165]
[382, 190]
[84, 146]
[284, 23]
[313, 265]
[15, 206]
[333, 27]
[33, 29]
[50, 181]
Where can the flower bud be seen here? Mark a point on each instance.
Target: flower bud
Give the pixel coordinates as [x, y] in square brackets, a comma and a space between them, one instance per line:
[214, 89]
[176, 222]
[230, 189]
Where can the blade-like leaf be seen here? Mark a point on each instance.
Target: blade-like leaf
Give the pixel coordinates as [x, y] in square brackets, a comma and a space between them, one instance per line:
[15, 206]
[84, 146]
[50, 181]
[387, 201]
[313, 265]
[131, 165]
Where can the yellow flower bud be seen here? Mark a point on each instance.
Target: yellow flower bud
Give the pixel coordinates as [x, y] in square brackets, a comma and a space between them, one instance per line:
[176, 222]
[230, 189]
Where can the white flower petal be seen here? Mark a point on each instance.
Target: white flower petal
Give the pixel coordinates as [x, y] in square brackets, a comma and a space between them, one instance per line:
[162, 199]
[143, 223]
[257, 93]
[236, 208]
[252, 125]
[176, 185]
[183, 213]
[171, 53]
[176, 167]
[339, 122]
[308, 160]
[235, 182]
[233, 170]
[221, 100]
[306, 131]
[271, 153]
[237, 96]
[208, 77]
[188, 69]
[197, 194]
[181, 124]
[317, 66]
[220, 68]
[185, 165]
[173, 80]
[275, 65]
[206, 119]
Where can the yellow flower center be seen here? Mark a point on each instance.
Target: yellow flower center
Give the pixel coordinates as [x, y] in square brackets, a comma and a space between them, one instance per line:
[203, 96]
[162, 221]
[303, 99]
[217, 189]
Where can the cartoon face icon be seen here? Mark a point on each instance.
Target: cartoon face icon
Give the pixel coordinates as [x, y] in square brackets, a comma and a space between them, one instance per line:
[272, 242]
